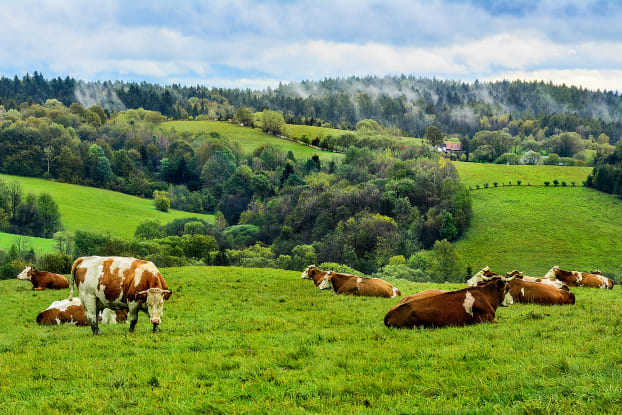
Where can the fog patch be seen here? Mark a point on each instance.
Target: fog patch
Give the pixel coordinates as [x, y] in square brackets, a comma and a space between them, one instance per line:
[97, 93]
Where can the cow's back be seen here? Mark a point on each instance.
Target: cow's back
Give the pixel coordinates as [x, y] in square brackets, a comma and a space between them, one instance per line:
[375, 287]
[69, 311]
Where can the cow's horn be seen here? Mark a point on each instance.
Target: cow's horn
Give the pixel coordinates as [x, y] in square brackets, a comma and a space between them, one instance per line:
[509, 278]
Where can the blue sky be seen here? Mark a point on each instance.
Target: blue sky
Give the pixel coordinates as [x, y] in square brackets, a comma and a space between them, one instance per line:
[255, 44]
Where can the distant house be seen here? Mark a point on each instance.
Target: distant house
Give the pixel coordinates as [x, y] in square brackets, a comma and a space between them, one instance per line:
[452, 147]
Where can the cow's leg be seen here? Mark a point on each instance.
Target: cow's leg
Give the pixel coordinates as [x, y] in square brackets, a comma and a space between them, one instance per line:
[90, 309]
[132, 315]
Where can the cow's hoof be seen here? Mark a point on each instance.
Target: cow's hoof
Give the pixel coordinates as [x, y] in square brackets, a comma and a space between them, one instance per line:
[156, 328]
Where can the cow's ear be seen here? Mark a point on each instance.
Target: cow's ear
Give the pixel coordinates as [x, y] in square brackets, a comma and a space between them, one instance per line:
[167, 294]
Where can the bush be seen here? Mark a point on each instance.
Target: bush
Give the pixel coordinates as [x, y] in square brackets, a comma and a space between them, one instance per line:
[57, 263]
[162, 203]
[11, 269]
[333, 266]
[402, 272]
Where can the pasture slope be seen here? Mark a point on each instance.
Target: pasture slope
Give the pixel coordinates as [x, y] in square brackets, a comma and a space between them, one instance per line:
[532, 228]
[249, 138]
[97, 210]
[263, 341]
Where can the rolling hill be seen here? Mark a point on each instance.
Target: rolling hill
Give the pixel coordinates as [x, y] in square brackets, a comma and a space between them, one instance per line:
[97, 210]
[531, 228]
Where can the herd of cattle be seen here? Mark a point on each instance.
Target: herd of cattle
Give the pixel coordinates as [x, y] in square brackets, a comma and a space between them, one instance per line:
[476, 303]
[115, 289]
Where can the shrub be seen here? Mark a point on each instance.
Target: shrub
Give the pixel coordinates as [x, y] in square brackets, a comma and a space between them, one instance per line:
[547, 183]
[57, 263]
[518, 182]
[162, 203]
[11, 269]
[556, 182]
[402, 272]
[333, 266]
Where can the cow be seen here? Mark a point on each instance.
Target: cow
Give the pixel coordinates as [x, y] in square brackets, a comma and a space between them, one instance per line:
[467, 306]
[42, 279]
[486, 272]
[70, 311]
[580, 279]
[314, 274]
[527, 292]
[352, 284]
[119, 283]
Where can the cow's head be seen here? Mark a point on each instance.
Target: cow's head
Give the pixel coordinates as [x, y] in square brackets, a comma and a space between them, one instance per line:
[503, 285]
[305, 274]
[154, 298]
[26, 274]
[479, 277]
[327, 281]
[552, 272]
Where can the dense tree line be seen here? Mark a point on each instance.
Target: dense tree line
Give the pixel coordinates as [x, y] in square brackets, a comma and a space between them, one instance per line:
[408, 103]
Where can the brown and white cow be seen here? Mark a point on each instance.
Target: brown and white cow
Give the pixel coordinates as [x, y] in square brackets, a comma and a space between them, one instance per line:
[42, 279]
[580, 279]
[70, 311]
[467, 306]
[314, 274]
[352, 284]
[486, 272]
[119, 283]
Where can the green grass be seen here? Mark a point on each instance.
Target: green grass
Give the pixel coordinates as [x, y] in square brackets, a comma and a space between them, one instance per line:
[40, 245]
[96, 210]
[473, 174]
[248, 138]
[264, 341]
[532, 228]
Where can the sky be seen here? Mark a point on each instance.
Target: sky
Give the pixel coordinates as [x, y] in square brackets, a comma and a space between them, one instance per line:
[256, 44]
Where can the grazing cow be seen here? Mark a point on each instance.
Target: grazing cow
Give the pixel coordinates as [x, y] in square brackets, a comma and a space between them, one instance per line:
[314, 274]
[119, 284]
[355, 285]
[467, 306]
[486, 272]
[70, 311]
[580, 279]
[42, 279]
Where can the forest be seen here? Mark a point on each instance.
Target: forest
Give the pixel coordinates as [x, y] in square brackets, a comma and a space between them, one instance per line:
[379, 205]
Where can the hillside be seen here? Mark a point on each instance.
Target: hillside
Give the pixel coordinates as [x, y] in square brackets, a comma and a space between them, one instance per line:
[226, 346]
[248, 138]
[98, 210]
[532, 228]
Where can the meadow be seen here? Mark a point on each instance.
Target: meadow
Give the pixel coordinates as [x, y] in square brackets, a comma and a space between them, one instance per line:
[534, 227]
[262, 341]
[97, 210]
[248, 138]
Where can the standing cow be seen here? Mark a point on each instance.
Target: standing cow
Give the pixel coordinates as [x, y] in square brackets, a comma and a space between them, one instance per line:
[595, 279]
[119, 283]
[42, 279]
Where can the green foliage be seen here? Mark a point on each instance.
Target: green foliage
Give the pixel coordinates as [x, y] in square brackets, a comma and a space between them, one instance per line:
[10, 270]
[401, 272]
[58, 263]
[446, 263]
[161, 201]
[333, 266]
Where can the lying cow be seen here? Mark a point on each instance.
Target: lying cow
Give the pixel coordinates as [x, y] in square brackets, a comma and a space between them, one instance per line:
[467, 306]
[119, 284]
[355, 285]
[70, 311]
[42, 279]
[486, 272]
[580, 279]
[314, 274]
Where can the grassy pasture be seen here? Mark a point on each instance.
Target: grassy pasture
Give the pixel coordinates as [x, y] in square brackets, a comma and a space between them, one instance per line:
[248, 138]
[264, 341]
[40, 245]
[97, 210]
[532, 228]
[473, 174]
